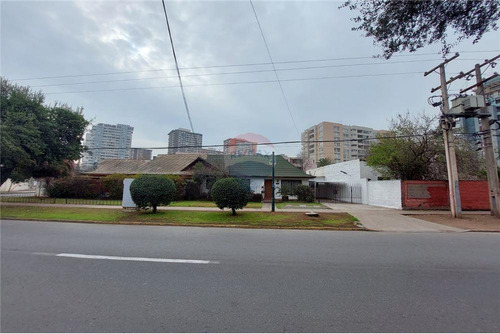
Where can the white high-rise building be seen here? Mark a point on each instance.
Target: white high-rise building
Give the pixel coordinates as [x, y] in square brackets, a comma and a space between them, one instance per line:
[341, 142]
[106, 141]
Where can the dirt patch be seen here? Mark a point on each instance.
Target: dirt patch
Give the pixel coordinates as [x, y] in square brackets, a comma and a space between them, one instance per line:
[473, 222]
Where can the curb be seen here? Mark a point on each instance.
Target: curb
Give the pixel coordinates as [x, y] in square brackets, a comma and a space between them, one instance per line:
[191, 225]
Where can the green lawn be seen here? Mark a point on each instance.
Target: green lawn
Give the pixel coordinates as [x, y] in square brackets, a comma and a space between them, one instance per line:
[282, 205]
[187, 218]
[209, 204]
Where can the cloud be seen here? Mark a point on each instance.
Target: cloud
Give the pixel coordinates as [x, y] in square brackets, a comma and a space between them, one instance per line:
[85, 37]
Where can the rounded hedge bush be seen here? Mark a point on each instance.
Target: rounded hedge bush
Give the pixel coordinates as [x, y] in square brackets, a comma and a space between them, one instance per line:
[230, 193]
[150, 191]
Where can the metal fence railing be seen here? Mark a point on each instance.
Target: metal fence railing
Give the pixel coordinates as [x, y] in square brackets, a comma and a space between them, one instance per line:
[339, 192]
[51, 200]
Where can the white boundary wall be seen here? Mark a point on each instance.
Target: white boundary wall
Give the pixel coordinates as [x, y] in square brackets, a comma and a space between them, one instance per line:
[385, 193]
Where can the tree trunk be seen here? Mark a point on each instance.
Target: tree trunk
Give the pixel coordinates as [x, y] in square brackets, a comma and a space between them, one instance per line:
[154, 208]
[234, 211]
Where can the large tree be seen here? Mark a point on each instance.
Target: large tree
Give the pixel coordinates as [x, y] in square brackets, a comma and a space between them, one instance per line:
[414, 150]
[37, 140]
[398, 25]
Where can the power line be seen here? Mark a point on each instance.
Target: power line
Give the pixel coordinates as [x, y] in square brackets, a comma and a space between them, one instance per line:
[274, 68]
[275, 143]
[232, 73]
[177, 65]
[234, 83]
[236, 65]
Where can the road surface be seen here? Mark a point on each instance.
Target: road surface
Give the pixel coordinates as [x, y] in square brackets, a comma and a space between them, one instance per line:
[67, 277]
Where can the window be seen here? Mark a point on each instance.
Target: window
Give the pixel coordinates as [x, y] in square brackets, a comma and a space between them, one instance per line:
[291, 185]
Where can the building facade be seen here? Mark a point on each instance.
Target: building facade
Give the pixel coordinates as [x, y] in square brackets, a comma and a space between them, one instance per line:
[239, 146]
[106, 141]
[314, 150]
[140, 154]
[179, 138]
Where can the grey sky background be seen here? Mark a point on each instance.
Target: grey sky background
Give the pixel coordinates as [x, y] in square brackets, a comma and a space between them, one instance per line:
[43, 38]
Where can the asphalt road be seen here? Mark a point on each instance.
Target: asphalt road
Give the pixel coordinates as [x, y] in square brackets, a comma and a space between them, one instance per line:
[254, 281]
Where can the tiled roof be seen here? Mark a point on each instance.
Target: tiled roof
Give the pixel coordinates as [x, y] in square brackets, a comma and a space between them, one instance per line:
[162, 164]
[261, 166]
[242, 166]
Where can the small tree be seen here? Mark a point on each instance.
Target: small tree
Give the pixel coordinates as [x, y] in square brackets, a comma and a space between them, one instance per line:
[230, 193]
[152, 190]
[324, 162]
[304, 193]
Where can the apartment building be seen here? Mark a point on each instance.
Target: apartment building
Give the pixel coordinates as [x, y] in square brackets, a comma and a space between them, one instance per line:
[341, 150]
[473, 125]
[106, 141]
[140, 154]
[179, 138]
[239, 146]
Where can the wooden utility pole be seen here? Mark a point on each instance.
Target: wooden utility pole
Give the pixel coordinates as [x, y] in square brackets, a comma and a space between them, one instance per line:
[489, 153]
[449, 143]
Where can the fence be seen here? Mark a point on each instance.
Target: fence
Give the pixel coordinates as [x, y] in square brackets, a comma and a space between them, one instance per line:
[18, 198]
[339, 192]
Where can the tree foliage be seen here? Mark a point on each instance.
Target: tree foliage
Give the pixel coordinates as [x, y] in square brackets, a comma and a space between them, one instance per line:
[150, 191]
[304, 193]
[37, 140]
[324, 162]
[414, 150]
[398, 25]
[230, 193]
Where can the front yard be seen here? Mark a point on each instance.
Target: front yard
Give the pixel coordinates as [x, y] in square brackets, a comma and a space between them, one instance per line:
[336, 221]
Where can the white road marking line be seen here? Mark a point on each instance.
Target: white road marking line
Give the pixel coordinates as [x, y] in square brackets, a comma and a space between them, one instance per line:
[140, 259]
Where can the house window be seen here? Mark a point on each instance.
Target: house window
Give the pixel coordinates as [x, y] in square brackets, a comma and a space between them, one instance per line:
[291, 185]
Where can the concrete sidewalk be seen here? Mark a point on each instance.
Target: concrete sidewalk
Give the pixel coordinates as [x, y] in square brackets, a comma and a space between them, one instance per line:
[389, 220]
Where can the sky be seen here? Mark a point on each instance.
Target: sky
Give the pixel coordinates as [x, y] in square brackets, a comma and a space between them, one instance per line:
[77, 39]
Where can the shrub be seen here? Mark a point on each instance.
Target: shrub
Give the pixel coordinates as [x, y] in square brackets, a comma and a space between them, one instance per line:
[256, 197]
[191, 190]
[304, 193]
[179, 185]
[152, 190]
[230, 193]
[74, 187]
[113, 185]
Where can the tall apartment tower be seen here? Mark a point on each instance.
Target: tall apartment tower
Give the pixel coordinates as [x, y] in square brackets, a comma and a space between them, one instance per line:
[106, 141]
[184, 137]
[336, 151]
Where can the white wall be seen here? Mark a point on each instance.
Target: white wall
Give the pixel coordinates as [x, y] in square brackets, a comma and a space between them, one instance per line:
[385, 193]
[349, 171]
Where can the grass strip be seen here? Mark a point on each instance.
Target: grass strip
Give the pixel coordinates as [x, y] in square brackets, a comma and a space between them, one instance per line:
[182, 218]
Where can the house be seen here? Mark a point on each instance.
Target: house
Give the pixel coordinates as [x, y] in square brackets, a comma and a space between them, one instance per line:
[162, 164]
[257, 169]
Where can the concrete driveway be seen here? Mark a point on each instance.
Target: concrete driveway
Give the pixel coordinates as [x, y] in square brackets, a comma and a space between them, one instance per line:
[389, 220]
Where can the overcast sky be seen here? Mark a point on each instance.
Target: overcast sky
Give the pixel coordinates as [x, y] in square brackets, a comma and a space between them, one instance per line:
[42, 38]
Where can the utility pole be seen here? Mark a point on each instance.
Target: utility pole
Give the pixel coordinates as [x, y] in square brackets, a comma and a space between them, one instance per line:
[491, 166]
[449, 144]
[273, 201]
[489, 154]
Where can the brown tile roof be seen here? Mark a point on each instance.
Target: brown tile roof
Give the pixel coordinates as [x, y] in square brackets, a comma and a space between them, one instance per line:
[162, 164]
